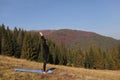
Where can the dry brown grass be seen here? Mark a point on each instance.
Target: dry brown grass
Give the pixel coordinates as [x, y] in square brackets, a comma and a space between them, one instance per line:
[7, 65]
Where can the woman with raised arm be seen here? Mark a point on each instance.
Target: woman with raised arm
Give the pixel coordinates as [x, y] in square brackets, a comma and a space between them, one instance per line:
[45, 51]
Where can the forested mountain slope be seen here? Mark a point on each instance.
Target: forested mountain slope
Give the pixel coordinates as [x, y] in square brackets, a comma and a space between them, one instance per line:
[83, 39]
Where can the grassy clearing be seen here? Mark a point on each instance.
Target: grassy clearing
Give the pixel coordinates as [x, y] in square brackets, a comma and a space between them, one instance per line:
[7, 65]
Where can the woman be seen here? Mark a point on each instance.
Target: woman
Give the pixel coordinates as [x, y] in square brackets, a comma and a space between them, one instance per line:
[45, 50]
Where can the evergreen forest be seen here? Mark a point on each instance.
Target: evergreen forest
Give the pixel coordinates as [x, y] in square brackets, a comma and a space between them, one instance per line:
[24, 44]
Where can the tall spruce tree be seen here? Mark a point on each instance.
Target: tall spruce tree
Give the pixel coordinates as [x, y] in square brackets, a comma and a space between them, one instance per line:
[91, 57]
[35, 46]
[30, 49]
[14, 39]
[99, 61]
[26, 46]
[114, 56]
[87, 59]
[54, 51]
[6, 41]
[79, 58]
[110, 62]
[104, 56]
[9, 47]
[19, 42]
[3, 39]
[69, 62]
[0, 38]
[62, 56]
[118, 57]
[71, 57]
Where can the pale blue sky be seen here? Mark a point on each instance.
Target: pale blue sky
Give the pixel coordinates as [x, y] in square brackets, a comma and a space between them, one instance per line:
[100, 16]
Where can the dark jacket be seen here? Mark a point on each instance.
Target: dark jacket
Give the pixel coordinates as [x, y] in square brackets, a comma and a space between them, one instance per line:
[45, 48]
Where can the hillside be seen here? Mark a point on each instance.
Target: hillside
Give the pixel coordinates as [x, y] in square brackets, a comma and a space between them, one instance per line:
[84, 39]
[7, 65]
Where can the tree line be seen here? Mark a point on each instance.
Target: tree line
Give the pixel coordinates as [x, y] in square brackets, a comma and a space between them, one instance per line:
[27, 45]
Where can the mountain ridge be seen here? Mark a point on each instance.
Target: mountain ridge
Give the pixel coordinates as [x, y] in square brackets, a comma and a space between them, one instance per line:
[83, 39]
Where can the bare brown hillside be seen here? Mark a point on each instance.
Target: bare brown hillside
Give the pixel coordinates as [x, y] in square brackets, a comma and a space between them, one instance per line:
[83, 39]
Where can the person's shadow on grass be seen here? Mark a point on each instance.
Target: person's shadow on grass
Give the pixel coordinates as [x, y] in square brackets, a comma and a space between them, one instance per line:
[52, 69]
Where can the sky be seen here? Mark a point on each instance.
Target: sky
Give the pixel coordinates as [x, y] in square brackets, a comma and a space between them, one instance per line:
[99, 16]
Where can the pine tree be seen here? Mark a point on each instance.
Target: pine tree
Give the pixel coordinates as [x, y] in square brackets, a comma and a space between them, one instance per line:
[14, 40]
[0, 38]
[35, 46]
[110, 62]
[90, 59]
[99, 60]
[87, 59]
[54, 51]
[40, 56]
[62, 55]
[7, 41]
[69, 57]
[79, 58]
[19, 41]
[3, 39]
[104, 56]
[25, 47]
[9, 47]
[30, 49]
[118, 57]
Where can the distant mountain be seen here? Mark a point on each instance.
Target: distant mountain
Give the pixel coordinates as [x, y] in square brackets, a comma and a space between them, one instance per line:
[83, 39]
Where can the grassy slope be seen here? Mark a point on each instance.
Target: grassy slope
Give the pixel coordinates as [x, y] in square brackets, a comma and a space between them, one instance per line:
[8, 64]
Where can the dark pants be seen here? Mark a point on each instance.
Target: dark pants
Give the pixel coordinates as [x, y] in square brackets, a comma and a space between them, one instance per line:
[45, 56]
[44, 65]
